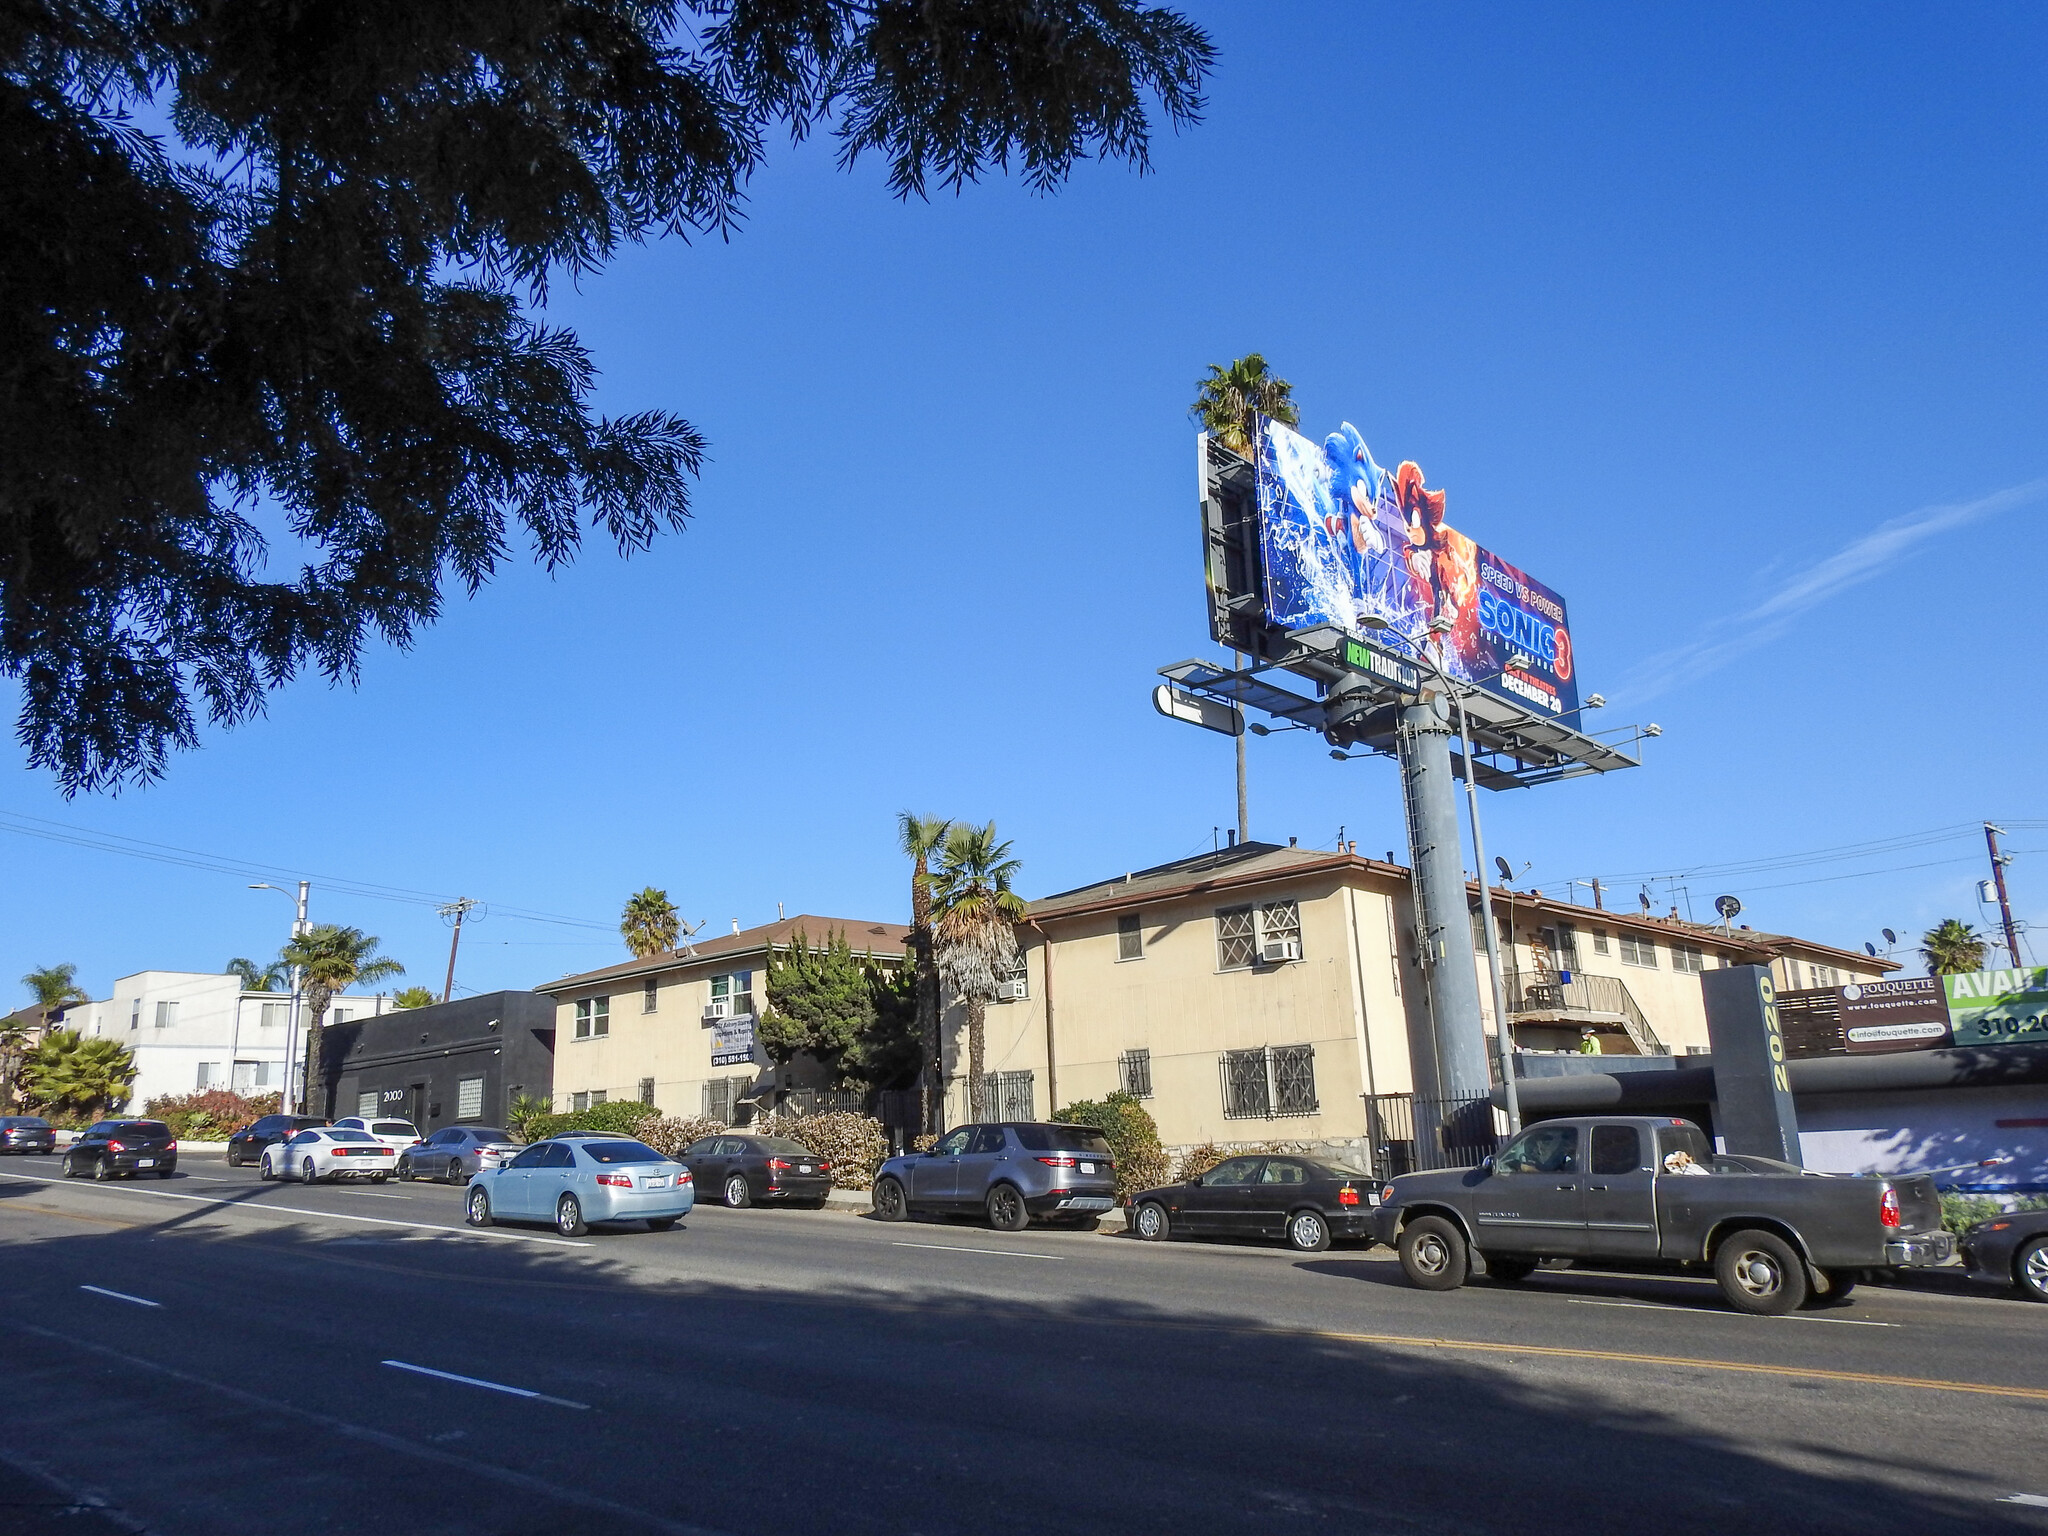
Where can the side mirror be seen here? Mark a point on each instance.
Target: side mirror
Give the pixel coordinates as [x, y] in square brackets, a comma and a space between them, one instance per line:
[1486, 1164]
[1196, 1180]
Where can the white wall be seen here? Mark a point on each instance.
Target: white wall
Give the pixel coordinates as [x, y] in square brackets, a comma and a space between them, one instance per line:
[1931, 1128]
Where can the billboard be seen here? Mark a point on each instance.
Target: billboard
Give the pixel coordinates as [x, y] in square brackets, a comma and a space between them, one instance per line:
[1905, 1015]
[732, 1041]
[1342, 539]
[1999, 1007]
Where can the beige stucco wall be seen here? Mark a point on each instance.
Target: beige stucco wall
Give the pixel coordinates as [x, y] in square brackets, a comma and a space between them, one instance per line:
[672, 1044]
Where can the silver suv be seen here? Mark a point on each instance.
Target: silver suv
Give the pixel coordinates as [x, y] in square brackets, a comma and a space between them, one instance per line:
[1010, 1173]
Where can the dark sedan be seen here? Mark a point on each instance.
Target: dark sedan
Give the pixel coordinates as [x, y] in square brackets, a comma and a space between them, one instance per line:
[1307, 1202]
[741, 1170]
[2010, 1250]
[247, 1144]
[27, 1133]
[119, 1149]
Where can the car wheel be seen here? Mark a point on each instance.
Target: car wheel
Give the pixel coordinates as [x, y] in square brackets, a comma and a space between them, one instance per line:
[478, 1212]
[1152, 1223]
[569, 1217]
[307, 1173]
[70, 1168]
[1006, 1209]
[234, 1158]
[661, 1223]
[1307, 1232]
[105, 1171]
[1760, 1274]
[165, 1173]
[889, 1200]
[454, 1173]
[1508, 1269]
[737, 1195]
[1433, 1254]
[264, 1171]
[2030, 1269]
[1840, 1283]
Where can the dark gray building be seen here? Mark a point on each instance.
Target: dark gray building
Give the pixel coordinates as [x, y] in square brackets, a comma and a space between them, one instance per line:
[456, 1063]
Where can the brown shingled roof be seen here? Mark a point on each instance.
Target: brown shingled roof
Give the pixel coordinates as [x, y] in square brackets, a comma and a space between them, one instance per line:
[865, 935]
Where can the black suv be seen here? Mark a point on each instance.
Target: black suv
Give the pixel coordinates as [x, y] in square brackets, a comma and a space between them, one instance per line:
[115, 1149]
[247, 1144]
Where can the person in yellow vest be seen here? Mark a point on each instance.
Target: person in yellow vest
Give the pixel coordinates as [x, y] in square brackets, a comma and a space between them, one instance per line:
[1589, 1043]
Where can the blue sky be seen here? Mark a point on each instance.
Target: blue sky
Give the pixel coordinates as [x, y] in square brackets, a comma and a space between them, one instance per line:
[1725, 324]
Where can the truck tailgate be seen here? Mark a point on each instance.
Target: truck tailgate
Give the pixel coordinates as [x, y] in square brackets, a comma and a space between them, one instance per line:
[1919, 1204]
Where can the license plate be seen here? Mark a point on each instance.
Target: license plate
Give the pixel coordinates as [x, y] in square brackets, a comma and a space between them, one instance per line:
[660, 1183]
[805, 1168]
[1087, 1167]
[145, 1162]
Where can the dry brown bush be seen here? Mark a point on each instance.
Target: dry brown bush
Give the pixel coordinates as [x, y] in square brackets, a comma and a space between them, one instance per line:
[669, 1135]
[855, 1144]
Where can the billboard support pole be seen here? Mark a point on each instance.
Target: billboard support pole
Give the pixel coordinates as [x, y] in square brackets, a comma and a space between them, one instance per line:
[1244, 813]
[1998, 863]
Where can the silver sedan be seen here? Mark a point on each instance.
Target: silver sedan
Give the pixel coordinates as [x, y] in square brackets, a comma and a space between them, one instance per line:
[575, 1181]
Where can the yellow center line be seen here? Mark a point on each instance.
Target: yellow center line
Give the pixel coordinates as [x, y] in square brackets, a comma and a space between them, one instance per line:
[51, 1210]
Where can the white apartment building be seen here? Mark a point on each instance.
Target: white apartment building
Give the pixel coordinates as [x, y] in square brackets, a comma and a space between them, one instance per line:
[192, 1030]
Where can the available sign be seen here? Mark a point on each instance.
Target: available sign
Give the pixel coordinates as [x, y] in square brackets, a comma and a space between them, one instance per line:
[1999, 1007]
[1908, 1015]
[732, 1041]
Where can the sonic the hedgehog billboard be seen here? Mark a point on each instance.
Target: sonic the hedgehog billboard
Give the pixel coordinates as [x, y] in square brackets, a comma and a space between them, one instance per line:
[1342, 539]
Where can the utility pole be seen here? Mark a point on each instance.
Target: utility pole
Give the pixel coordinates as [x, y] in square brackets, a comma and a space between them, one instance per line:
[1998, 863]
[458, 910]
[1244, 812]
[287, 1098]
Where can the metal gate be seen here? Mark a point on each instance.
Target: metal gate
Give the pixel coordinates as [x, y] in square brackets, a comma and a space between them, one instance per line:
[1454, 1132]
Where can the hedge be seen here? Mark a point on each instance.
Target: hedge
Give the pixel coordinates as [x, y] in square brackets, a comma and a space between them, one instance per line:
[213, 1114]
[622, 1117]
[1133, 1140]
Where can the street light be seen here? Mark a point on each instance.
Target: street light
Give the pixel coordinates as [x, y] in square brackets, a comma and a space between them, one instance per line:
[287, 1099]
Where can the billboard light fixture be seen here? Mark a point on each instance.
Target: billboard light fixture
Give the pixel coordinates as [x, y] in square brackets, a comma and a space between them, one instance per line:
[1596, 701]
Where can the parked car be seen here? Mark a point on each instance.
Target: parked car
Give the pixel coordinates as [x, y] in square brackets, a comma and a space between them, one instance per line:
[1011, 1173]
[24, 1134]
[395, 1134]
[247, 1144]
[455, 1152]
[744, 1169]
[118, 1149]
[1308, 1202]
[574, 1181]
[1648, 1194]
[2010, 1250]
[329, 1152]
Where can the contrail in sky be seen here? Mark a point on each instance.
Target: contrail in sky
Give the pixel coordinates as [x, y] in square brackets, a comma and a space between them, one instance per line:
[1866, 557]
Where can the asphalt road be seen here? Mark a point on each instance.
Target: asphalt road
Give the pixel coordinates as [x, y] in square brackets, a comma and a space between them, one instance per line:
[208, 1354]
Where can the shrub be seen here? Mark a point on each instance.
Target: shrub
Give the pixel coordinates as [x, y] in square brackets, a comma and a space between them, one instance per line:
[668, 1134]
[1133, 1140]
[622, 1117]
[856, 1145]
[1198, 1160]
[1961, 1212]
[213, 1114]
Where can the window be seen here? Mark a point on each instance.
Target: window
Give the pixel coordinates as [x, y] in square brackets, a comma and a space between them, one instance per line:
[342, 1016]
[646, 1090]
[1236, 942]
[953, 1143]
[1542, 1149]
[989, 1138]
[598, 1096]
[593, 1018]
[1134, 1072]
[1282, 1170]
[1279, 932]
[1683, 1138]
[135, 1014]
[722, 1097]
[1130, 937]
[166, 1015]
[1064, 1138]
[531, 1157]
[1823, 976]
[732, 997]
[1236, 1172]
[557, 1154]
[1294, 1080]
[648, 995]
[1245, 1090]
[1274, 1080]
[1013, 984]
[1687, 959]
[366, 1103]
[1635, 951]
[1617, 1149]
[1599, 941]
[210, 1076]
[1567, 947]
[469, 1098]
[1010, 1096]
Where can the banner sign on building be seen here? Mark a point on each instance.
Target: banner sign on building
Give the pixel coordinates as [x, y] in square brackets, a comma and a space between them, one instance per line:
[1999, 1007]
[732, 1041]
[1905, 1015]
[1344, 540]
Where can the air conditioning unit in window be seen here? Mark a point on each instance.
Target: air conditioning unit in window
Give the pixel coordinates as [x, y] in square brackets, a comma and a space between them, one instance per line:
[1279, 951]
[1012, 990]
[718, 1008]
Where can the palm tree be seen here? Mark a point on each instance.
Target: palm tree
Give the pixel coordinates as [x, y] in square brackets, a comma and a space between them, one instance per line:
[649, 924]
[975, 914]
[255, 978]
[1228, 399]
[920, 837]
[15, 1033]
[332, 959]
[55, 986]
[1951, 948]
[413, 997]
[68, 1071]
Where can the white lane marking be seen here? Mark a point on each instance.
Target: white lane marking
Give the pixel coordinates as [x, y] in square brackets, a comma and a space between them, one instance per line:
[524, 1482]
[478, 1381]
[1658, 1306]
[214, 1178]
[371, 1194]
[140, 1301]
[1001, 1253]
[2037, 1500]
[297, 1210]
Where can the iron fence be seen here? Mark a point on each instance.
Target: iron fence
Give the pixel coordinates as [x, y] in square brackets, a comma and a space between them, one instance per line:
[1414, 1135]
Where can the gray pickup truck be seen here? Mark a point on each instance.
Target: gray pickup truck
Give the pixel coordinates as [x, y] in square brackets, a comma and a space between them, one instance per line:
[1626, 1193]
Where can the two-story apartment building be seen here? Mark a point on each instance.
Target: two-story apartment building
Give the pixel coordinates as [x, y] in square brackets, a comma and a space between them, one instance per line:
[676, 1029]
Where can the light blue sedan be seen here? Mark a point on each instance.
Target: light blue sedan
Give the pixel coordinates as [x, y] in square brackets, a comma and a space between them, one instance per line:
[573, 1182]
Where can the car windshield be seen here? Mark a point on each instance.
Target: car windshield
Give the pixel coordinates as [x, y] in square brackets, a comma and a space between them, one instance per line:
[621, 1152]
[393, 1128]
[344, 1134]
[782, 1144]
[1062, 1138]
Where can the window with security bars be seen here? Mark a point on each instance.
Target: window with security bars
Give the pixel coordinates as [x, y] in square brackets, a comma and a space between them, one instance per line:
[1237, 942]
[722, 1098]
[1010, 1097]
[1134, 1072]
[469, 1098]
[366, 1104]
[1013, 982]
[1269, 1082]
[646, 1090]
[1278, 921]
[1130, 937]
[650, 995]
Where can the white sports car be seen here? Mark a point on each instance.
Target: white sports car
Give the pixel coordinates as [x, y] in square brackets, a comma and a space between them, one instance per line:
[329, 1152]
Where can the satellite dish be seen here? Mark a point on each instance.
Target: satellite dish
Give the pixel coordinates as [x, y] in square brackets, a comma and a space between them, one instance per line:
[1727, 906]
[1507, 876]
[1889, 936]
[1870, 950]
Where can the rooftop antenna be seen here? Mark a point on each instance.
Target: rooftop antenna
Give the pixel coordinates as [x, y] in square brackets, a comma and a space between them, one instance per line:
[1729, 907]
[1507, 875]
[685, 931]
